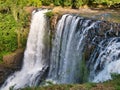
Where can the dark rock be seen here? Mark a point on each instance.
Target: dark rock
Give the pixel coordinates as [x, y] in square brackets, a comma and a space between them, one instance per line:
[4, 73]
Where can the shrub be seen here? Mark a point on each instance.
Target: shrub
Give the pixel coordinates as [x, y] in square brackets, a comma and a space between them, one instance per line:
[49, 14]
[46, 2]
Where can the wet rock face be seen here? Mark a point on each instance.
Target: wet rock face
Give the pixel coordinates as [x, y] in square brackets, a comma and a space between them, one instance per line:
[4, 73]
[102, 30]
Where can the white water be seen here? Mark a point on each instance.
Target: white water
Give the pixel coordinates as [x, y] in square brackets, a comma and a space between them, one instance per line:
[35, 58]
[68, 49]
[108, 61]
[72, 36]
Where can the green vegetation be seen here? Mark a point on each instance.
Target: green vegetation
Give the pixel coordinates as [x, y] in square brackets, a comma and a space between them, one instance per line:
[78, 3]
[8, 37]
[14, 24]
[108, 85]
[49, 14]
[90, 85]
[107, 2]
[116, 81]
[83, 69]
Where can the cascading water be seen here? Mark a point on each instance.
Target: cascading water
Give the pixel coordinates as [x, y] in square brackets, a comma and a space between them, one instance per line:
[108, 60]
[68, 49]
[77, 40]
[35, 56]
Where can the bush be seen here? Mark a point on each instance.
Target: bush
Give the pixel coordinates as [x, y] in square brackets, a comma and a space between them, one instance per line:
[57, 2]
[13, 20]
[46, 2]
[77, 4]
[49, 14]
[107, 2]
[36, 3]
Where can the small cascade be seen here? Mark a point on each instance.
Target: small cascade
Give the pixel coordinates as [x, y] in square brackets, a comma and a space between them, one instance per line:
[35, 56]
[107, 61]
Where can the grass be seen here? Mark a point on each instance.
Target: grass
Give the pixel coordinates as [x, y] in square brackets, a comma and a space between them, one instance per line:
[108, 85]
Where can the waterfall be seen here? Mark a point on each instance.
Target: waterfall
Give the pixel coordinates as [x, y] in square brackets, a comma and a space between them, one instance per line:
[68, 49]
[77, 40]
[35, 57]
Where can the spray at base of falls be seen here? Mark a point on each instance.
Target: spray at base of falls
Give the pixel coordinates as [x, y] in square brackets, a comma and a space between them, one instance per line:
[35, 56]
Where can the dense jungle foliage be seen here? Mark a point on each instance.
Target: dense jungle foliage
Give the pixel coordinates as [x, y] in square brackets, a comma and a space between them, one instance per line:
[14, 21]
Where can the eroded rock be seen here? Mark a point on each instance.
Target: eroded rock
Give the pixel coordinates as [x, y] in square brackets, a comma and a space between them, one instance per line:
[14, 60]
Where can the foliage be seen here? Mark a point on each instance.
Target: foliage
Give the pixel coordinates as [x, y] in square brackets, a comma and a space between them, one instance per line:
[77, 3]
[107, 2]
[67, 3]
[115, 81]
[49, 14]
[56, 2]
[36, 3]
[8, 37]
[115, 75]
[90, 85]
[13, 23]
[109, 85]
[84, 71]
[46, 2]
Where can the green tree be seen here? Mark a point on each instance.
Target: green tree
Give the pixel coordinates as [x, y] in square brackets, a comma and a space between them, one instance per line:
[57, 2]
